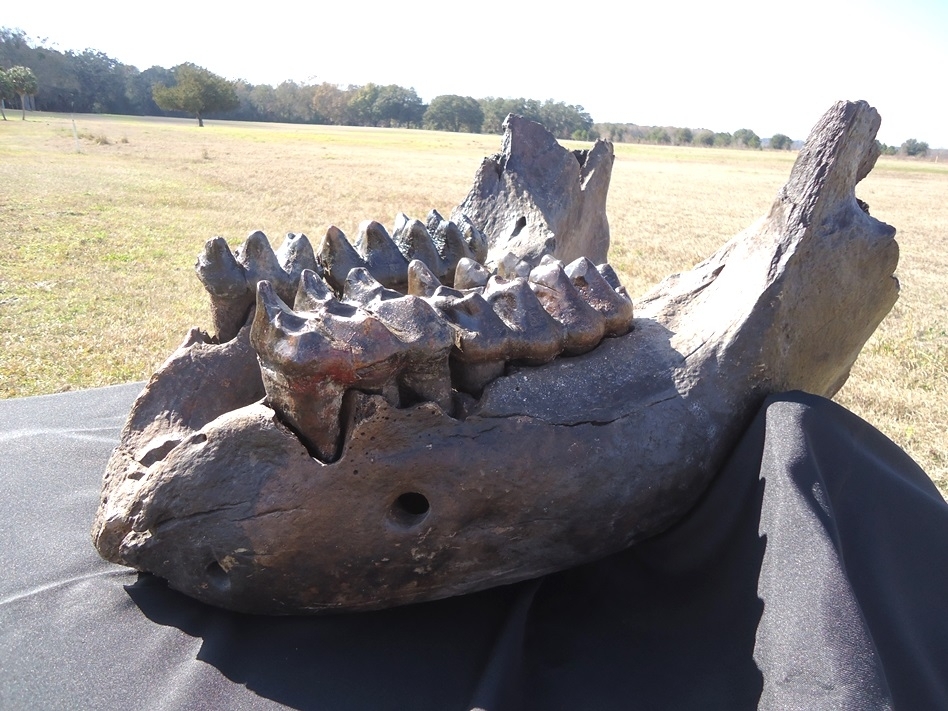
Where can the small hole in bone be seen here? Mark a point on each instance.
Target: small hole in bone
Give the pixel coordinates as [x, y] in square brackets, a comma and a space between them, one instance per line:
[217, 576]
[410, 509]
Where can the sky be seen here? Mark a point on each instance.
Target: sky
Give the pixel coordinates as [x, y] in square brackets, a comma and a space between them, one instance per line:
[770, 67]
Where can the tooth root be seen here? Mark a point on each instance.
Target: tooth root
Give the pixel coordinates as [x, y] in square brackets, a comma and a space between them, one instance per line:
[592, 286]
[360, 287]
[585, 327]
[470, 275]
[413, 240]
[537, 336]
[307, 364]
[421, 280]
[381, 255]
[337, 258]
[296, 254]
[313, 292]
[481, 339]
[226, 284]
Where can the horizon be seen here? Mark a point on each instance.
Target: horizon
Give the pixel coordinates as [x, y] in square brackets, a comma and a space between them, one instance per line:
[722, 68]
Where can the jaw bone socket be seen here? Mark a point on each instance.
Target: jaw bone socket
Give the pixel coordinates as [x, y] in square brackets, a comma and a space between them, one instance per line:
[307, 363]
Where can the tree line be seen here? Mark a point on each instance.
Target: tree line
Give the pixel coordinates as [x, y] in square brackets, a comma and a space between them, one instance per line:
[92, 82]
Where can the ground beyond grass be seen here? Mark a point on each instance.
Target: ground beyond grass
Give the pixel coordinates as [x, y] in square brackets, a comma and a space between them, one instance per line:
[96, 277]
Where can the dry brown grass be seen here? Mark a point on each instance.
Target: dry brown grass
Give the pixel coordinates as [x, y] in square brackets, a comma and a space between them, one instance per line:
[96, 280]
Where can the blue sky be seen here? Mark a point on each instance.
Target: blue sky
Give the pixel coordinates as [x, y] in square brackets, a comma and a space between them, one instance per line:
[770, 67]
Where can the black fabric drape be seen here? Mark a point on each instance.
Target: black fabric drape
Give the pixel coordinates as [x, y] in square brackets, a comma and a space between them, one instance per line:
[813, 574]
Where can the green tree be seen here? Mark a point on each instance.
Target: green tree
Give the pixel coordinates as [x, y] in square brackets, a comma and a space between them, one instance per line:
[703, 137]
[722, 139]
[24, 84]
[657, 134]
[747, 138]
[684, 137]
[450, 112]
[914, 148]
[197, 92]
[781, 142]
[6, 92]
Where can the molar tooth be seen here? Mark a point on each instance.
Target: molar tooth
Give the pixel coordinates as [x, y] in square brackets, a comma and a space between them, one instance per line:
[450, 243]
[481, 339]
[337, 258]
[615, 308]
[548, 259]
[308, 361]
[511, 266]
[361, 287]
[609, 274]
[226, 284]
[421, 280]
[313, 292]
[381, 255]
[427, 341]
[414, 242]
[537, 337]
[470, 275]
[585, 327]
[295, 255]
[473, 237]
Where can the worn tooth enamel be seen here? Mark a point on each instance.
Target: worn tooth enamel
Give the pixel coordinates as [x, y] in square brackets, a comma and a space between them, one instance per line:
[421, 280]
[313, 292]
[307, 362]
[414, 242]
[548, 259]
[226, 283]
[360, 287]
[381, 255]
[470, 275]
[481, 338]
[585, 327]
[615, 308]
[337, 258]
[536, 336]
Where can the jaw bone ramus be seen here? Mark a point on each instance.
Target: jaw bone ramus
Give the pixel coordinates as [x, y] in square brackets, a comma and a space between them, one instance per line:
[357, 439]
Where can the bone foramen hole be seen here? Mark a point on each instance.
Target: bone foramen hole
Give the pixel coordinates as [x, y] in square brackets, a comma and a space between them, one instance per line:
[410, 509]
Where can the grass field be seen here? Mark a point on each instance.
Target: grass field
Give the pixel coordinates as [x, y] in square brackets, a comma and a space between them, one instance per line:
[98, 244]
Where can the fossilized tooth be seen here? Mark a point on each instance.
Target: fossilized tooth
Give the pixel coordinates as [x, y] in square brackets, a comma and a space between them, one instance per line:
[382, 257]
[550, 467]
[307, 363]
[295, 255]
[260, 262]
[585, 326]
[313, 293]
[360, 287]
[510, 266]
[449, 242]
[473, 237]
[337, 258]
[609, 274]
[470, 275]
[536, 336]
[226, 283]
[421, 280]
[414, 242]
[615, 308]
[481, 339]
